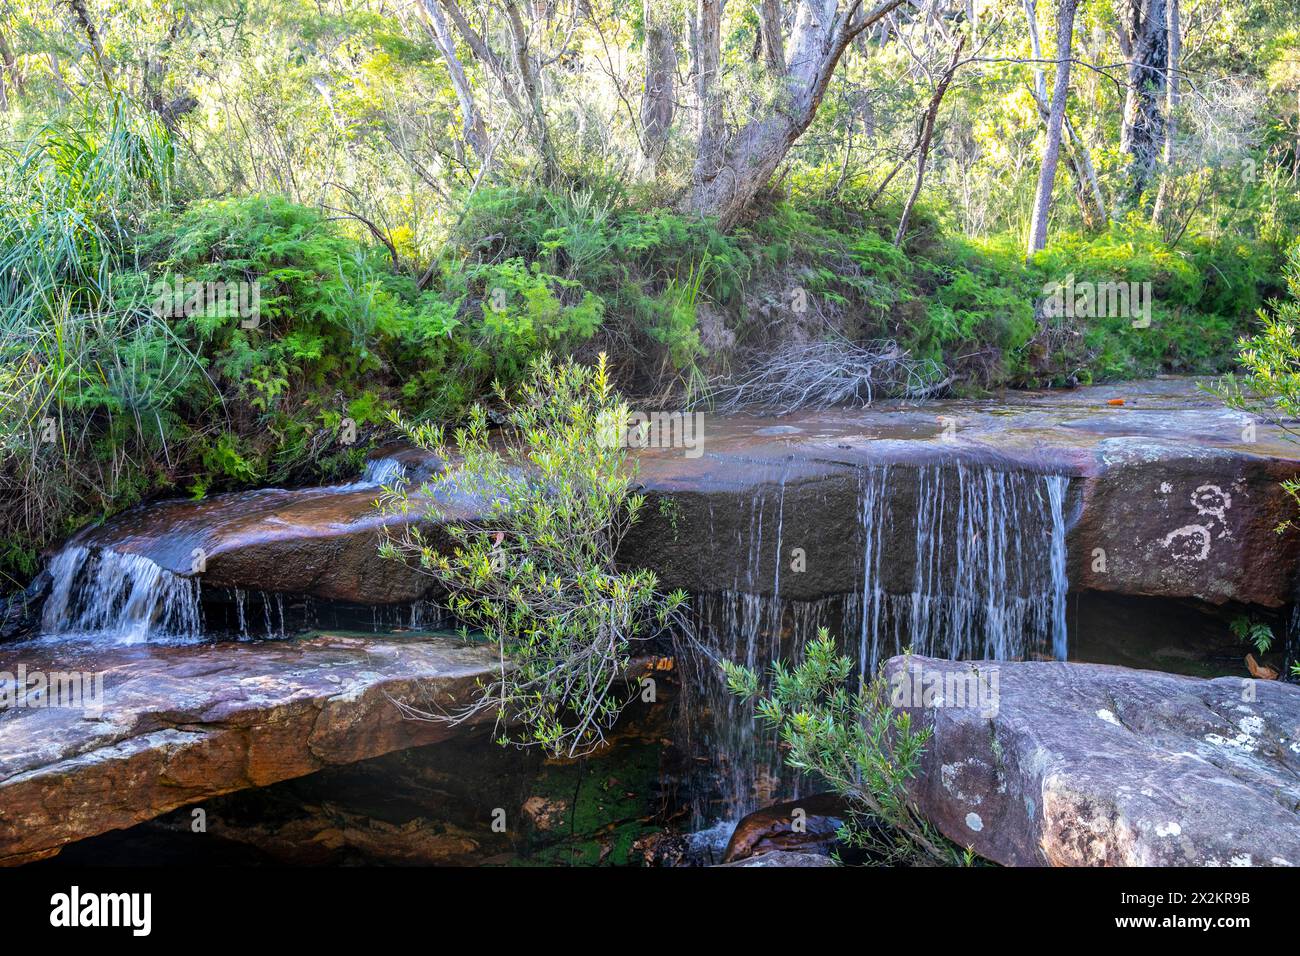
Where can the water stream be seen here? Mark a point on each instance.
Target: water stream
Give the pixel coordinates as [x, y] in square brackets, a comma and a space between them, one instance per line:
[957, 561]
[124, 598]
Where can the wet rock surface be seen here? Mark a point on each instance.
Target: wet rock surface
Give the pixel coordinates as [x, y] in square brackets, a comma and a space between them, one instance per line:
[174, 725]
[1169, 495]
[1091, 765]
[807, 825]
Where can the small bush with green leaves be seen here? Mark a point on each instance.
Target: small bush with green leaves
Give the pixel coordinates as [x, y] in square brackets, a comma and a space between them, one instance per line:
[534, 569]
[1269, 387]
[855, 741]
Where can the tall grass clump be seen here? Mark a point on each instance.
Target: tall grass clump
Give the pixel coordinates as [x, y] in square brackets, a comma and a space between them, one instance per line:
[86, 379]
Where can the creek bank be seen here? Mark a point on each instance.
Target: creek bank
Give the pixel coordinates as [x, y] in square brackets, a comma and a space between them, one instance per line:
[1092, 765]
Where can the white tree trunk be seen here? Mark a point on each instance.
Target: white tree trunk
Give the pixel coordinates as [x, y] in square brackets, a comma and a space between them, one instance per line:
[475, 133]
[1055, 121]
[1175, 40]
[730, 171]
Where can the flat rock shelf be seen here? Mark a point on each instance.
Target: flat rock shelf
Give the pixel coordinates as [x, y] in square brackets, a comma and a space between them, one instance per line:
[176, 724]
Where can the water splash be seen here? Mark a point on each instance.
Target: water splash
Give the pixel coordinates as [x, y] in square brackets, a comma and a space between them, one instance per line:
[124, 598]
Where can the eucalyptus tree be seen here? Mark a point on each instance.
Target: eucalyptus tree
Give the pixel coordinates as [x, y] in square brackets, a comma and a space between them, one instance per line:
[731, 166]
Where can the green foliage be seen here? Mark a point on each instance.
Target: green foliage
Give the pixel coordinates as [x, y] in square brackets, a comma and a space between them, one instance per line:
[854, 740]
[1254, 632]
[534, 568]
[1269, 386]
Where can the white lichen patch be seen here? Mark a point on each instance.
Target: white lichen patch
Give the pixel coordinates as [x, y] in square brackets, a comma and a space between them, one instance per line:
[950, 774]
[1109, 717]
[1211, 500]
[1191, 542]
[1242, 859]
[1168, 829]
[1243, 742]
[974, 822]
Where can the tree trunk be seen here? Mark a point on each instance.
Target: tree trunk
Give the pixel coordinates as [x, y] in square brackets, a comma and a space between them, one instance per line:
[474, 130]
[1175, 40]
[710, 128]
[1143, 130]
[1036, 51]
[1092, 205]
[771, 28]
[659, 98]
[530, 80]
[521, 87]
[729, 172]
[11, 79]
[1088, 170]
[1055, 121]
[923, 143]
[87, 25]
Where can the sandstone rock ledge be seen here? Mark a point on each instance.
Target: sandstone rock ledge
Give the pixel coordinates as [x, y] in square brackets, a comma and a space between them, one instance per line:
[180, 724]
[1092, 765]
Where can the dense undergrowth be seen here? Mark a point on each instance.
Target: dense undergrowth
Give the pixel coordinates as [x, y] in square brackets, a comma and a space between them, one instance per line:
[107, 399]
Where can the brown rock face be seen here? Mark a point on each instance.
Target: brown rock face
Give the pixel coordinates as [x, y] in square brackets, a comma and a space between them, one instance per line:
[808, 825]
[1169, 495]
[178, 724]
[1186, 522]
[1037, 763]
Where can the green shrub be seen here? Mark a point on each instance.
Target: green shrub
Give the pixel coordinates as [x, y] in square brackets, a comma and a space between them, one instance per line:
[534, 571]
[854, 740]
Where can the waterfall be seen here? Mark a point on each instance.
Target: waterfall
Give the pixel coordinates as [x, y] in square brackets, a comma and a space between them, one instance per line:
[957, 561]
[123, 598]
[987, 565]
[377, 473]
[383, 471]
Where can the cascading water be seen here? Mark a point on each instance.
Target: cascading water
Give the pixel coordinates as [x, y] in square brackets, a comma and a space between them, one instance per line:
[741, 771]
[957, 560]
[119, 597]
[381, 472]
[123, 598]
[987, 565]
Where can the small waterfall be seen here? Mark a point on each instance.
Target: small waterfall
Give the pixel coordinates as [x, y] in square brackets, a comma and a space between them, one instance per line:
[119, 597]
[957, 561]
[378, 473]
[383, 471]
[987, 565]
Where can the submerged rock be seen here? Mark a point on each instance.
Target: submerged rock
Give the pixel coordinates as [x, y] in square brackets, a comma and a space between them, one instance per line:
[1035, 763]
[154, 727]
[805, 825]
